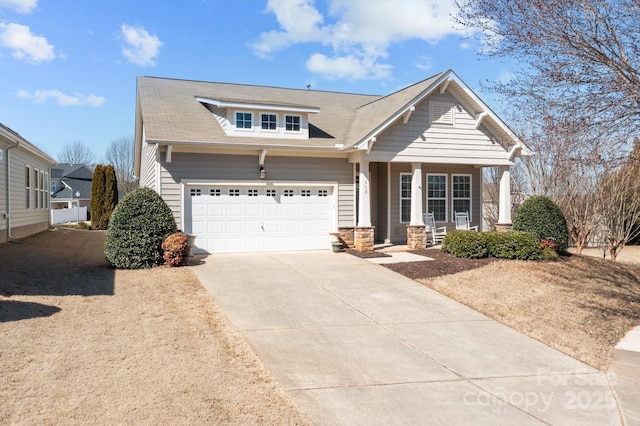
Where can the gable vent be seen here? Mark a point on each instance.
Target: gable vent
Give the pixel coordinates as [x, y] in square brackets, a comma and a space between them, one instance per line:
[441, 113]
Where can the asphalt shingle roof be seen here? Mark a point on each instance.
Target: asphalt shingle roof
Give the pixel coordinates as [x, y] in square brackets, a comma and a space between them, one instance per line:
[171, 112]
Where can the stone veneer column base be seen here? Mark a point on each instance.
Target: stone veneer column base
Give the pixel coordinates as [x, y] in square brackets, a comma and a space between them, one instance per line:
[347, 236]
[416, 237]
[504, 227]
[364, 238]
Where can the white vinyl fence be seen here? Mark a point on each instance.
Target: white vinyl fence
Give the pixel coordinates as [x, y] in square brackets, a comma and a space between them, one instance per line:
[68, 215]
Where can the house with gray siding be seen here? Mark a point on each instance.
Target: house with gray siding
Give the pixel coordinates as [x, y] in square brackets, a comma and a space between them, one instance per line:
[254, 168]
[24, 186]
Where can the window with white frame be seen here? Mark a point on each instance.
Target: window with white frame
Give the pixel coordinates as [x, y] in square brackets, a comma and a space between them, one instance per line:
[405, 197]
[441, 113]
[437, 196]
[461, 194]
[27, 187]
[46, 194]
[41, 188]
[244, 120]
[36, 188]
[292, 123]
[269, 121]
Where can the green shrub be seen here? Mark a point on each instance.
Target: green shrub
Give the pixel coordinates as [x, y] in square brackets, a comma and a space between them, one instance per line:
[138, 225]
[110, 194]
[462, 243]
[542, 217]
[513, 245]
[97, 198]
[502, 245]
[549, 254]
[176, 249]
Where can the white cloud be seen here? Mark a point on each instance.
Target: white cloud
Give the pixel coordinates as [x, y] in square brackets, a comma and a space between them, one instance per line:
[25, 45]
[346, 67]
[424, 63]
[20, 6]
[466, 45]
[77, 99]
[359, 33]
[141, 47]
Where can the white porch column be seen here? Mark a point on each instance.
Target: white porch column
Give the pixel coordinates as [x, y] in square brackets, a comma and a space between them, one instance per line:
[416, 195]
[364, 205]
[504, 206]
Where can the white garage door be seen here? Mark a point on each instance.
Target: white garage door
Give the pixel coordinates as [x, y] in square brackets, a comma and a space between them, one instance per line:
[244, 219]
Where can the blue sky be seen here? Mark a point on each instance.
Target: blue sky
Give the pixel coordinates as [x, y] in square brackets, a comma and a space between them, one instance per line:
[68, 68]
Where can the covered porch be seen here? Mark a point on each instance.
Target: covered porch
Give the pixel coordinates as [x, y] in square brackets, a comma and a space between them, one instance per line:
[392, 197]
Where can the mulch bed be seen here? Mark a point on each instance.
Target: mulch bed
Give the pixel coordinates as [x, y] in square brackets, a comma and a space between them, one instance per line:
[443, 264]
[366, 254]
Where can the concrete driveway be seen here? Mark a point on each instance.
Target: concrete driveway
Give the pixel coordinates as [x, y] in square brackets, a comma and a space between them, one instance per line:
[355, 343]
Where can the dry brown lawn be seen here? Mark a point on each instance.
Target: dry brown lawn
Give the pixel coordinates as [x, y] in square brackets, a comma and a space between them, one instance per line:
[579, 305]
[81, 343]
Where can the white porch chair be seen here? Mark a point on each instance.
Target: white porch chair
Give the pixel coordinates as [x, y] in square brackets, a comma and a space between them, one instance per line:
[437, 233]
[462, 221]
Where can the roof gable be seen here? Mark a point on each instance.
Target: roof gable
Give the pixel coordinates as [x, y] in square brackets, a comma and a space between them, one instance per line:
[391, 108]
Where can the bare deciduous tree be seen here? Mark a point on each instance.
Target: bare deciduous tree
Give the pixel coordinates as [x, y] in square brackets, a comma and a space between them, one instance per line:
[619, 204]
[77, 153]
[120, 154]
[580, 59]
[566, 168]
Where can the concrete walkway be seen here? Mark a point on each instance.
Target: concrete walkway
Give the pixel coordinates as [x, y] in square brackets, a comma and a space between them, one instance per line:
[355, 343]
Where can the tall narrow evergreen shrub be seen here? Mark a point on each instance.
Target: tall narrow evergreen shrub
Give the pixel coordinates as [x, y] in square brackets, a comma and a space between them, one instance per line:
[97, 198]
[110, 193]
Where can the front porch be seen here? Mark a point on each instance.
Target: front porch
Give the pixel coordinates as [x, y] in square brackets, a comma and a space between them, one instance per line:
[392, 197]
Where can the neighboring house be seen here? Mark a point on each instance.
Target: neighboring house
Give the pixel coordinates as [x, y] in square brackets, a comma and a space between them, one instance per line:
[251, 168]
[71, 186]
[24, 183]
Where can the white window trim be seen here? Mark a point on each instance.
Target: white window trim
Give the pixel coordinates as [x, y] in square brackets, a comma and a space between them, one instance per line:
[400, 197]
[242, 129]
[47, 185]
[446, 196]
[259, 125]
[28, 187]
[445, 106]
[284, 124]
[470, 195]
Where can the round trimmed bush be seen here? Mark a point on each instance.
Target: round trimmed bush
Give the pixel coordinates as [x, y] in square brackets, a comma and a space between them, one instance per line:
[138, 225]
[542, 217]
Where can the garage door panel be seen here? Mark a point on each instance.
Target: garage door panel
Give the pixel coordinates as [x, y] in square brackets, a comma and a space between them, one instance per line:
[215, 210]
[253, 226]
[249, 219]
[234, 226]
[252, 209]
[289, 210]
[271, 226]
[271, 209]
[234, 209]
[214, 227]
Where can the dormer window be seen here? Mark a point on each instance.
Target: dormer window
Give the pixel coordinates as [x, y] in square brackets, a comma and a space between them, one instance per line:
[260, 120]
[292, 123]
[244, 120]
[269, 121]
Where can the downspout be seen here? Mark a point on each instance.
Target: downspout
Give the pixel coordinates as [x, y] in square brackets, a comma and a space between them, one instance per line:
[8, 192]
